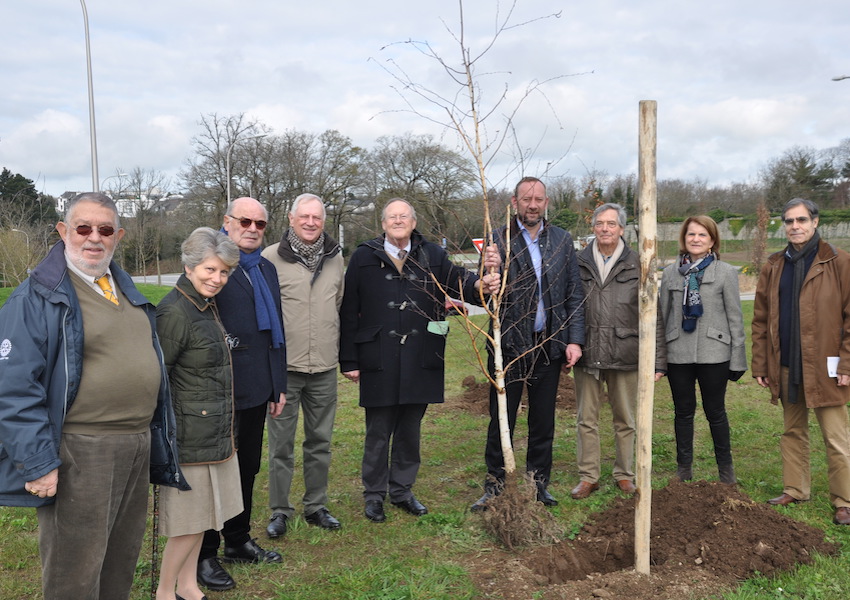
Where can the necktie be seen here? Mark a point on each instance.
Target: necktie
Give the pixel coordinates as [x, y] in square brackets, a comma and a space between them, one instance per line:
[402, 254]
[108, 293]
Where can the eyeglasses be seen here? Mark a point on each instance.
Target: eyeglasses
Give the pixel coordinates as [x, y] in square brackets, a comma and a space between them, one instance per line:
[245, 222]
[800, 220]
[85, 230]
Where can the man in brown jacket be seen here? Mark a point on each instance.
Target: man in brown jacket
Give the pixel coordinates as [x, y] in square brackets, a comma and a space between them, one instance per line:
[800, 322]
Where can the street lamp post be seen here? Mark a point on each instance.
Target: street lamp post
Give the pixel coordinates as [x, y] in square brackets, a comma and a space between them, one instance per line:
[227, 158]
[119, 175]
[95, 181]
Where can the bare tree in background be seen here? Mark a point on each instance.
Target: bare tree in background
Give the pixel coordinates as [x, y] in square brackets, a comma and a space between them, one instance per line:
[139, 193]
[205, 176]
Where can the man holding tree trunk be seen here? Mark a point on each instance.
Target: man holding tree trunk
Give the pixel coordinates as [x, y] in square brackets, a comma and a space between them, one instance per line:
[542, 333]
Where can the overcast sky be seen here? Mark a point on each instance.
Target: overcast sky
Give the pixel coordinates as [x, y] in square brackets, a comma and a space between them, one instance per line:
[737, 83]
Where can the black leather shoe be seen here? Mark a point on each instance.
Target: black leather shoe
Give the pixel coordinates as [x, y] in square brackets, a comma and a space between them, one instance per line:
[323, 518]
[277, 525]
[412, 506]
[545, 497]
[179, 597]
[250, 552]
[480, 505]
[212, 575]
[375, 511]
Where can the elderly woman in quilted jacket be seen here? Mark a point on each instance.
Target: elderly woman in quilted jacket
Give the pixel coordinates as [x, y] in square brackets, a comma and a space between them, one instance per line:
[197, 358]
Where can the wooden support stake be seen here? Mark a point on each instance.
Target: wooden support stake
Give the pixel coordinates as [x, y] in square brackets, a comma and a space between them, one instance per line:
[648, 301]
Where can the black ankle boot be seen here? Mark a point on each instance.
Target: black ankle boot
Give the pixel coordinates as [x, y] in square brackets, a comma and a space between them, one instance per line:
[727, 474]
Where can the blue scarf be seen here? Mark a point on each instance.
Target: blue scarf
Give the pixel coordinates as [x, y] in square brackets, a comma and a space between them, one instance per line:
[268, 318]
[692, 301]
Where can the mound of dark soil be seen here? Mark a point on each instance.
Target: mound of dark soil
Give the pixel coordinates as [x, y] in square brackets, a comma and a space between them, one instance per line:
[704, 537]
[476, 396]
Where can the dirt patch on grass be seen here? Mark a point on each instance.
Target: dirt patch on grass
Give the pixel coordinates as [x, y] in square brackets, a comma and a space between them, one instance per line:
[476, 396]
[705, 537]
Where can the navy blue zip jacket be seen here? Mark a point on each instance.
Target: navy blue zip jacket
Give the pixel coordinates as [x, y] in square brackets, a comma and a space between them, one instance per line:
[41, 361]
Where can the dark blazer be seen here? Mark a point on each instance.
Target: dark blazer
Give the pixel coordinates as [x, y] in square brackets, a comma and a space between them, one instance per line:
[259, 370]
[563, 295]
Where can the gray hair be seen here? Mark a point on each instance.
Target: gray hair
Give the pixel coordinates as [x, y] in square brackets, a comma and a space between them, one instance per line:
[305, 198]
[205, 242]
[810, 206]
[94, 197]
[390, 201]
[621, 212]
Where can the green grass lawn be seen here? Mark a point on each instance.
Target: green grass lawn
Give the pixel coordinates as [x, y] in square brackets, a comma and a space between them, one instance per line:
[408, 558]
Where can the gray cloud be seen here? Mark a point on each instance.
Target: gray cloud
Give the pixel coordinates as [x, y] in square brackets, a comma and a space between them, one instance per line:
[736, 83]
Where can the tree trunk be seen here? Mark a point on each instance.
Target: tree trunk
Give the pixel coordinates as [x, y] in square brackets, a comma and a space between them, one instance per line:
[502, 398]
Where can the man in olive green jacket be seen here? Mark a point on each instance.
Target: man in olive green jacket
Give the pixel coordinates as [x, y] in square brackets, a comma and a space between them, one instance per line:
[610, 276]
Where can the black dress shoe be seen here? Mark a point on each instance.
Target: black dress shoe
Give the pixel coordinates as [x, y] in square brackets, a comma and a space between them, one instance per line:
[480, 505]
[545, 497]
[277, 525]
[412, 506]
[250, 552]
[179, 597]
[375, 511]
[323, 518]
[212, 575]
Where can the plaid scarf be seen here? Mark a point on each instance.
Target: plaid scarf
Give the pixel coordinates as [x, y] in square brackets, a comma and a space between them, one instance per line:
[311, 253]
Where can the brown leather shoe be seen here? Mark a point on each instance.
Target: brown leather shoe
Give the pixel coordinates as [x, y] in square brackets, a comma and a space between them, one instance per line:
[583, 490]
[842, 516]
[783, 500]
[626, 486]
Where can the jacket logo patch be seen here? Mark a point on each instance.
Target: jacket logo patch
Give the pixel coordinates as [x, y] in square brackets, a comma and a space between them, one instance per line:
[5, 349]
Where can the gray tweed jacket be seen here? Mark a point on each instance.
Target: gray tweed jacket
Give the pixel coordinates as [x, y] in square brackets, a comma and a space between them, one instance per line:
[719, 335]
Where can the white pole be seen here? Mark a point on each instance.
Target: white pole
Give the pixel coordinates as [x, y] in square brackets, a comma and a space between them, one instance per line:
[95, 181]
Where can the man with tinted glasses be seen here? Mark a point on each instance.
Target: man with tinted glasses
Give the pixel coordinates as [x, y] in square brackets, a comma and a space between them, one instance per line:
[250, 311]
[82, 390]
[801, 351]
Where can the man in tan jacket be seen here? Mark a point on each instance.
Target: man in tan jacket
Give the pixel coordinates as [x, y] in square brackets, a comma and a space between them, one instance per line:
[800, 321]
[310, 271]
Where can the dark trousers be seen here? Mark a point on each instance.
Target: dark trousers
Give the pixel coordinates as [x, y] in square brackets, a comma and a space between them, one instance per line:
[540, 377]
[712, 386]
[249, 429]
[391, 451]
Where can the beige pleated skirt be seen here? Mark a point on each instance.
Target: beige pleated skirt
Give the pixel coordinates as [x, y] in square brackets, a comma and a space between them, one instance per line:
[215, 497]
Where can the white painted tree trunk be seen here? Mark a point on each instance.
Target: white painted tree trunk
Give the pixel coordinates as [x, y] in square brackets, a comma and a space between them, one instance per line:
[502, 398]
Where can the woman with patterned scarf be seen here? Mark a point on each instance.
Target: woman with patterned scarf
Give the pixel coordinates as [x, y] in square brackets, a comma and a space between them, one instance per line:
[704, 329]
